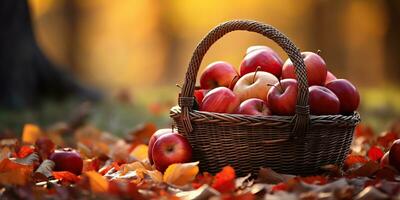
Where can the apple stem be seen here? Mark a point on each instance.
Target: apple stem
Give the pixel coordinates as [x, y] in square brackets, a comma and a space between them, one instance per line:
[172, 127]
[179, 86]
[280, 86]
[232, 81]
[319, 52]
[255, 73]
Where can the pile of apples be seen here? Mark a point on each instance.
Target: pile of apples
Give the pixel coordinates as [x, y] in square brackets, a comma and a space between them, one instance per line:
[267, 86]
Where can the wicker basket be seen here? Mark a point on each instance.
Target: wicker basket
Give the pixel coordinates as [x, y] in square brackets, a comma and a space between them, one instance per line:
[298, 144]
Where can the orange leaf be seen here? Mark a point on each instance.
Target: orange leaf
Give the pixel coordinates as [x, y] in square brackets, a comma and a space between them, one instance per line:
[225, 180]
[66, 176]
[97, 182]
[31, 133]
[14, 173]
[181, 174]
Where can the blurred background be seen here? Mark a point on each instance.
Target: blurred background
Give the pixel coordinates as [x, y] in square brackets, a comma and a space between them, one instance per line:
[135, 51]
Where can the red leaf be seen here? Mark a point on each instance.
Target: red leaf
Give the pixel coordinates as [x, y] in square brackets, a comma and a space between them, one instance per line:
[25, 151]
[354, 159]
[375, 153]
[66, 176]
[280, 187]
[316, 180]
[387, 139]
[363, 130]
[225, 180]
[201, 179]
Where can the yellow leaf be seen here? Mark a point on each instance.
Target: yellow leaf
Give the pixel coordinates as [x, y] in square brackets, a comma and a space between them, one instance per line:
[140, 152]
[97, 182]
[132, 167]
[31, 133]
[181, 174]
[154, 175]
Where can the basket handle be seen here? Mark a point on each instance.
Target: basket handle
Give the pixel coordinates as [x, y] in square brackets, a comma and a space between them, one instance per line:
[186, 99]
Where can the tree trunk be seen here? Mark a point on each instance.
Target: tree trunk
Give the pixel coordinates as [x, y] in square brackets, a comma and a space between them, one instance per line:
[26, 75]
[392, 41]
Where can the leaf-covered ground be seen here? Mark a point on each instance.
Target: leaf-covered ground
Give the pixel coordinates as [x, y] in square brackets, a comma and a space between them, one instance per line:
[117, 168]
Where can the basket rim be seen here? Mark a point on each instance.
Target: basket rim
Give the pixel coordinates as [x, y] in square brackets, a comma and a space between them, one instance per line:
[271, 120]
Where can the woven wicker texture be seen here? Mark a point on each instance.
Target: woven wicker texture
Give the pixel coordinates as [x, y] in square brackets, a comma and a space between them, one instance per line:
[298, 144]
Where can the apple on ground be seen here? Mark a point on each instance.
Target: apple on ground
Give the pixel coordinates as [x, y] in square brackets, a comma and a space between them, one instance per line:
[282, 97]
[218, 74]
[254, 106]
[346, 92]
[322, 101]
[154, 138]
[171, 148]
[394, 154]
[254, 85]
[329, 77]
[264, 57]
[199, 95]
[67, 159]
[315, 67]
[220, 100]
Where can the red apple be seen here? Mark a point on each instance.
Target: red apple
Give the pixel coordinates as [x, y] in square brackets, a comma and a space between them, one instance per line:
[171, 148]
[218, 74]
[254, 106]
[256, 47]
[254, 85]
[315, 67]
[220, 100]
[199, 95]
[385, 160]
[282, 97]
[322, 101]
[67, 159]
[394, 154]
[329, 77]
[154, 138]
[346, 92]
[263, 57]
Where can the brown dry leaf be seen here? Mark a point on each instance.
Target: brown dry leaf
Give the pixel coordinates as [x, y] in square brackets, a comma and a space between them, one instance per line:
[132, 167]
[181, 174]
[97, 182]
[371, 193]
[14, 173]
[31, 133]
[269, 176]
[120, 151]
[44, 171]
[140, 152]
[154, 175]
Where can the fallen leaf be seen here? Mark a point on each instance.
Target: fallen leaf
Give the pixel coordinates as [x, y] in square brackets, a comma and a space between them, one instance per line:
[31, 133]
[140, 152]
[204, 192]
[66, 176]
[387, 139]
[97, 182]
[181, 173]
[44, 171]
[316, 180]
[269, 176]
[371, 193]
[12, 173]
[143, 132]
[224, 180]
[363, 130]
[201, 179]
[368, 169]
[91, 164]
[354, 159]
[5, 153]
[375, 153]
[25, 151]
